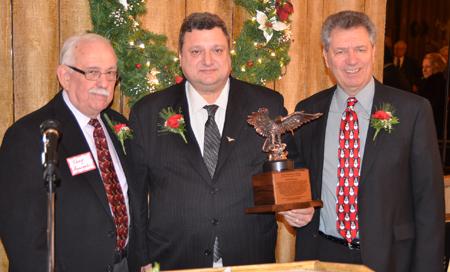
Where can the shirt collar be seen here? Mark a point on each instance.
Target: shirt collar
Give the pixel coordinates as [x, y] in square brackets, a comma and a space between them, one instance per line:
[196, 102]
[364, 97]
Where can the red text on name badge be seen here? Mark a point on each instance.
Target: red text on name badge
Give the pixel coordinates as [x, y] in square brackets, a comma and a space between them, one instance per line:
[81, 163]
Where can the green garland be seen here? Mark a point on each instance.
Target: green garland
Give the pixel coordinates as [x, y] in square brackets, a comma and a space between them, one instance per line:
[146, 65]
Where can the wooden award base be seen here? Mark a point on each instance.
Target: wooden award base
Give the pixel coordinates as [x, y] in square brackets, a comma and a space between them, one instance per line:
[282, 190]
[284, 207]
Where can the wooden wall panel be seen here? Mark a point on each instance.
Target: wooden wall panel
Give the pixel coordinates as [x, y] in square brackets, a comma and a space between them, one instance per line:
[292, 85]
[36, 43]
[240, 15]
[75, 18]
[6, 88]
[220, 7]
[165, 17]
[377, 12]
[315, 64]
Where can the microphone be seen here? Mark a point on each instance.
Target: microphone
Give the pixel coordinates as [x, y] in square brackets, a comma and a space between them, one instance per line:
[50, 135]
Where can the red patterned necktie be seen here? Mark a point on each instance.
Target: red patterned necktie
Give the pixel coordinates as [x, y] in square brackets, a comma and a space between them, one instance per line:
[112, 185]
[348, 173]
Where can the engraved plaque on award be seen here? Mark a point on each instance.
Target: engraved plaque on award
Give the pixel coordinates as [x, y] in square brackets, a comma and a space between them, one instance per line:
[280, 187]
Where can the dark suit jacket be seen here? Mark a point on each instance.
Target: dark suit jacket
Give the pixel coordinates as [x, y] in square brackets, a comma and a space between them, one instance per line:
[401, 194]
[392, 77]
[434, 89]
[85, 237]
[411, 70]
[187, 209]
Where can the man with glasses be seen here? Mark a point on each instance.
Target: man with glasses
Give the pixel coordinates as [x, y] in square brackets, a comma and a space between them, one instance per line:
[95, 207]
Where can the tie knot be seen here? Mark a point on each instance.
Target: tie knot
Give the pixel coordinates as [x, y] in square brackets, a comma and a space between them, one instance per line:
[211, 109]
[351, 101]
[95, 123]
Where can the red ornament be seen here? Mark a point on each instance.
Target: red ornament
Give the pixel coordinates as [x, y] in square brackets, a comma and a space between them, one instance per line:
[178, 79]
[250, 63]
[284, 8]
[138, 65]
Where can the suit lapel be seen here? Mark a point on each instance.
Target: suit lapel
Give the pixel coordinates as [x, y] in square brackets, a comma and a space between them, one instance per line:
[190, 149]
[318, 140]
[124, 159]
[72, 139]
[372, 147]
[235, 120]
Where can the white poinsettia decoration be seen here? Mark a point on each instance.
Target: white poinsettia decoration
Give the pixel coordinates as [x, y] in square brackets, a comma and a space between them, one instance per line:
[124, 3]
[269, 25]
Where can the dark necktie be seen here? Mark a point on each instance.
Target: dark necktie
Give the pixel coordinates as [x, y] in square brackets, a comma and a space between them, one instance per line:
[210, 155]
[112, 185]
[397, 64]
[212, 140]
[348, 173]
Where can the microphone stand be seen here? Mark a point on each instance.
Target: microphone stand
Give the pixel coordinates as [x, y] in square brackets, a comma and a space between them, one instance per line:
[51, 174]
[50, 135]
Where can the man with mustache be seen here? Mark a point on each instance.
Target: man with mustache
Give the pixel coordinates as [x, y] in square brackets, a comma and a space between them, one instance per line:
[95, 209]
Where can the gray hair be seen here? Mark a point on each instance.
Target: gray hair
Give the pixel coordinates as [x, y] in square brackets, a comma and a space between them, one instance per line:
[437, 61]
[201, 21]
[67, 55]
[346, 20]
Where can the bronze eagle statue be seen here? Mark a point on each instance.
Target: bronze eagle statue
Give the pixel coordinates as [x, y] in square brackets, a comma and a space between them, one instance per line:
[272, 129]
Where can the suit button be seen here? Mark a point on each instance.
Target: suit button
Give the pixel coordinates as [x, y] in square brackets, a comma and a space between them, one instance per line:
[207, 252]
[215, 222]
[109, 268]
[214, 190]
[111, 234]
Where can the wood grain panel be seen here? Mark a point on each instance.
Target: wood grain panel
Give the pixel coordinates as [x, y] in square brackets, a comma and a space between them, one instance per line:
[292, 85]
[75, 18]
[224, 9]
[377, 12]
[315, 64]
[240, 15]
[36, 40]
[6, 88]
[165, 17]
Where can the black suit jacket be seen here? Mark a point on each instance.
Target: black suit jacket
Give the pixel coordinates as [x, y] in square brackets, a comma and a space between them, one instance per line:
[187, 208]
[85, 237]
[392, 77]
[411, 70]
[401, 191]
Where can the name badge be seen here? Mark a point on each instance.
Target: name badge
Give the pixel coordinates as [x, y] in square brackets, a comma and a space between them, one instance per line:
[81, 163]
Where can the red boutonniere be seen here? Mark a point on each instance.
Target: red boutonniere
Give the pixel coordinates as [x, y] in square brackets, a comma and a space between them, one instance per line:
[121, 131]
[383, 118]
[172, 122]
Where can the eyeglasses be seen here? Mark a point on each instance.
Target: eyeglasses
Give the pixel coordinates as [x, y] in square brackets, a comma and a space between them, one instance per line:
[94, 75]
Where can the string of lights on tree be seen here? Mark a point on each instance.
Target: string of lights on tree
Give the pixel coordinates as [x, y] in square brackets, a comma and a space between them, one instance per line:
[259, 53]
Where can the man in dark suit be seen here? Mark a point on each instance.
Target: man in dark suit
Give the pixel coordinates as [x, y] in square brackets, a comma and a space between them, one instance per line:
[391, 75]
[407, 66]
[86, 237]
[396, 221]
[194, 208]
